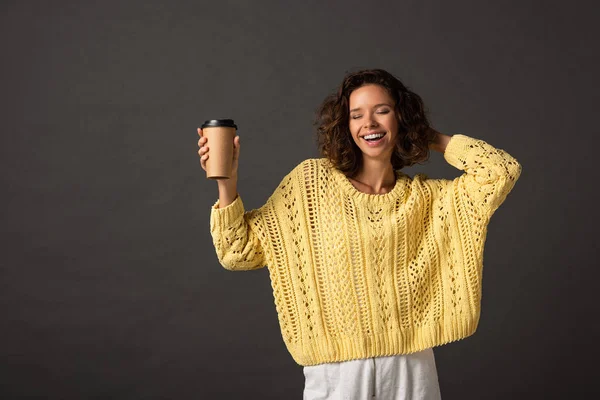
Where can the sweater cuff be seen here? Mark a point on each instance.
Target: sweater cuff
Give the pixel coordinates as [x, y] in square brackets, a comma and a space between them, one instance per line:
[228, 214]
[457, 149]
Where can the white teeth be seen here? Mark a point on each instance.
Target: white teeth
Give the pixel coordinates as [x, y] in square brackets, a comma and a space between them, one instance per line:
[373, 136]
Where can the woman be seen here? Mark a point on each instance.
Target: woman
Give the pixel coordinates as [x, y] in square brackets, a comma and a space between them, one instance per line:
[370, 268]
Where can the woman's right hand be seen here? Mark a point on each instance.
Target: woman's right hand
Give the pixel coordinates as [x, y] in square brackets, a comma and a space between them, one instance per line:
[203, 153]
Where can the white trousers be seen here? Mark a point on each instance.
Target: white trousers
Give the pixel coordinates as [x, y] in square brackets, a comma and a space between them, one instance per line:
[407, 377]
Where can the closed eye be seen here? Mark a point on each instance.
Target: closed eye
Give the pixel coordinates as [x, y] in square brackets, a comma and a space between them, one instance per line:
[357, 116]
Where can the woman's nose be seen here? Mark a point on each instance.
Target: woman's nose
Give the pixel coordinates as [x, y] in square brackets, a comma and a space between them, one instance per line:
[369, 122]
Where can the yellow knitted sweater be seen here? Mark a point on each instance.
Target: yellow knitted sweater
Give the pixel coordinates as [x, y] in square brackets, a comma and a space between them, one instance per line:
[358, 275]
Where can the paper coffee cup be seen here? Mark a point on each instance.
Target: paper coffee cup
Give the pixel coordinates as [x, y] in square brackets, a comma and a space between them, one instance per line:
[220, 134]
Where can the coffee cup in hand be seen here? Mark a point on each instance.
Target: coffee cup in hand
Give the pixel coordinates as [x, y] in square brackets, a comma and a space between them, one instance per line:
[219, 134]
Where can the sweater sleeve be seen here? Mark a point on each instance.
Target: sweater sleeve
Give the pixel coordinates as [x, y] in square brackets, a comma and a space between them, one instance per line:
[236, 236]
[489, 173]
[241, 237]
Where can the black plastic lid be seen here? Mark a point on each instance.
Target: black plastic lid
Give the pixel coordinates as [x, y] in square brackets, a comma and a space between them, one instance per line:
[218, 122]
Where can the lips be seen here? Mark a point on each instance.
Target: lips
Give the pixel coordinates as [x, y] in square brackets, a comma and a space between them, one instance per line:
[374, 143]
[376, 140]
[373, 133]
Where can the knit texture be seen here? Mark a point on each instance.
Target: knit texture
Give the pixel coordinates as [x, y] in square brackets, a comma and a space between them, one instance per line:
[358, 275]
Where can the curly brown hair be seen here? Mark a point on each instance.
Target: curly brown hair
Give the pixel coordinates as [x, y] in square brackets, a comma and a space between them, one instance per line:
[332, 121]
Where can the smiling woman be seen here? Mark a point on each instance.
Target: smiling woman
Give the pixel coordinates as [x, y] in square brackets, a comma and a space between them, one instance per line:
[370, 268]
[372, 123]
[374, 128]
[368, 102]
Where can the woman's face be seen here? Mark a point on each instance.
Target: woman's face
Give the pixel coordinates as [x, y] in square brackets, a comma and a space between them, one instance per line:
[372, 112]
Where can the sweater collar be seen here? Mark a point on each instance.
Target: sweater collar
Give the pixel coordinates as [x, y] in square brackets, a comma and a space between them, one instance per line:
[348, 188]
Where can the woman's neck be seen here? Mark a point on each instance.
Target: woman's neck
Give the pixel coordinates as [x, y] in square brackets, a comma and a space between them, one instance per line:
[374, 177]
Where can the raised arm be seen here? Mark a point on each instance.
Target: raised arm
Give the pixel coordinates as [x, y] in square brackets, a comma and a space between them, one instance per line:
[490, 173]
[235, 232]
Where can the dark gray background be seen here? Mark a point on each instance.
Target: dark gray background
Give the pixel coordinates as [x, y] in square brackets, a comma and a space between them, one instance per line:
[110, 286]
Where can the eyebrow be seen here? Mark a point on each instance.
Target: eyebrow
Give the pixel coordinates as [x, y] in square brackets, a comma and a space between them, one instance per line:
[375, 106]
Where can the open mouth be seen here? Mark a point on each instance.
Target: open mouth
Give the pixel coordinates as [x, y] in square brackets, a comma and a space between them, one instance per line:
[374, 138]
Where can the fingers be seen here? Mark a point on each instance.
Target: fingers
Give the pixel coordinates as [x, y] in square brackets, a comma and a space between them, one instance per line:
[203, 146]
[202, 141]
[203, 152]
[203, 159]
